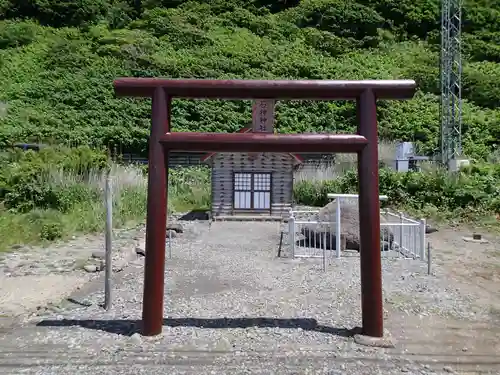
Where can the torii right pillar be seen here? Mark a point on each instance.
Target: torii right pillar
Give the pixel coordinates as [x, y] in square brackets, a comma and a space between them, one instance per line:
[369, 216]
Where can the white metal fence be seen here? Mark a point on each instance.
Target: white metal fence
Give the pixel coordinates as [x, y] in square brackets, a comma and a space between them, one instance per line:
[406, 235]
[309, 237]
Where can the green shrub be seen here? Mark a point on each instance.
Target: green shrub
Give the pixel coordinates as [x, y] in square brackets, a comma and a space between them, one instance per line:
[189, 188]
[46, 223]
[17, 34]
[60, 13]
[51, 231]
[31, 179]
[69, 196]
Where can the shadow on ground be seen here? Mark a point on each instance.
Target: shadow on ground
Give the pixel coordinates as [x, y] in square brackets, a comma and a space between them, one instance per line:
[195, 215]
[129, 327]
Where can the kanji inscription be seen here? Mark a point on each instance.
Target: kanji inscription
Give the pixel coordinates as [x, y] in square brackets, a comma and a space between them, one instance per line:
[263, 115]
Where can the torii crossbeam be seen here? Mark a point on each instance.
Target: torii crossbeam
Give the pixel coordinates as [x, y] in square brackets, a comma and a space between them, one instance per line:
[364, 143]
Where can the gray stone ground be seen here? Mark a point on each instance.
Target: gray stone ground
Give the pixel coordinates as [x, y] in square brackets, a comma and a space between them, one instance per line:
[232, 307]
[54, 271]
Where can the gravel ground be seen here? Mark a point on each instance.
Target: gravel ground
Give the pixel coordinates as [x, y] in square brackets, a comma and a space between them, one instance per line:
[232, 307]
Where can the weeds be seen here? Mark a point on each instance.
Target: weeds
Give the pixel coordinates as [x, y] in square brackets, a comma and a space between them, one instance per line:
[45, 199]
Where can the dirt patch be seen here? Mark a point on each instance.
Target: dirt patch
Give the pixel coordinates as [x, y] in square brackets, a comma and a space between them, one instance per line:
[16, 297]
[33, 277]
[466, 346]
[446, 344]
[475, 267]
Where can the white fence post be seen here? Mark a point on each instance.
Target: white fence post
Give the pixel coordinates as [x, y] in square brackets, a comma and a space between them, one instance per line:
[337, 229]
[324, 251]
[291, 234]
[401, 234]
[423, 226]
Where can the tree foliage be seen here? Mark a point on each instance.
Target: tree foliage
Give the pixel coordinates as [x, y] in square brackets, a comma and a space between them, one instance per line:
[58, 60]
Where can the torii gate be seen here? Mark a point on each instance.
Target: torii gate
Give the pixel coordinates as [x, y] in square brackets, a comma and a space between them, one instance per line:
[364, 143]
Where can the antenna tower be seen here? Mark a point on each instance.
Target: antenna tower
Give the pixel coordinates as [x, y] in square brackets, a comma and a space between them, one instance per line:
[451, 81]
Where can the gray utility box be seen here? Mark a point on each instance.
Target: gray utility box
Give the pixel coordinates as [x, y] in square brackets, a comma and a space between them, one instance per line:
[405, 159]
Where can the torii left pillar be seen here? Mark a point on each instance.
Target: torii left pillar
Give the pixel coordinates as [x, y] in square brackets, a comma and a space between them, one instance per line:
[156, 203]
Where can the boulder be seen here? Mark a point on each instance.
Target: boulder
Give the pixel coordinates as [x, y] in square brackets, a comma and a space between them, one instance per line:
[349, 225]
[315, 238]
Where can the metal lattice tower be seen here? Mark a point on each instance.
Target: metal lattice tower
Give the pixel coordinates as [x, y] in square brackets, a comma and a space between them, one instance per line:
[451, 80]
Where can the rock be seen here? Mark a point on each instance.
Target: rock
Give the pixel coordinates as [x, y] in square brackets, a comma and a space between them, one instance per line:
[429, 229]
[140, 251]
[136, 338]
[471, 239]
[90, 268]
[16, 247]
[374, 342]
[350, 228]
[448, 369]
[176, 227]
[101, 265]
[315, 238]
[98, 254]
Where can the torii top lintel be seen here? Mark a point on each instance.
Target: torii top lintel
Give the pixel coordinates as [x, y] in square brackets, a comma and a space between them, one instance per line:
[265, 89]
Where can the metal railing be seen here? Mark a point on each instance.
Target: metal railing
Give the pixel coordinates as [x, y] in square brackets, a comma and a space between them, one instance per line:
[310, 237]
[405, 236]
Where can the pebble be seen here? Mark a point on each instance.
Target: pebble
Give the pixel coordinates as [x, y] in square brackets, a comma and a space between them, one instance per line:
[99, 254]
[136, 338]
[90, 268]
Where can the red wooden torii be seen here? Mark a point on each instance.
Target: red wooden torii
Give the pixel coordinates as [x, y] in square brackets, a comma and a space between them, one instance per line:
[364, 143]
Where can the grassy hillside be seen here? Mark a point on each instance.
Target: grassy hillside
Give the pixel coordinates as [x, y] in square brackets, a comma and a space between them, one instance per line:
[58, 59]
